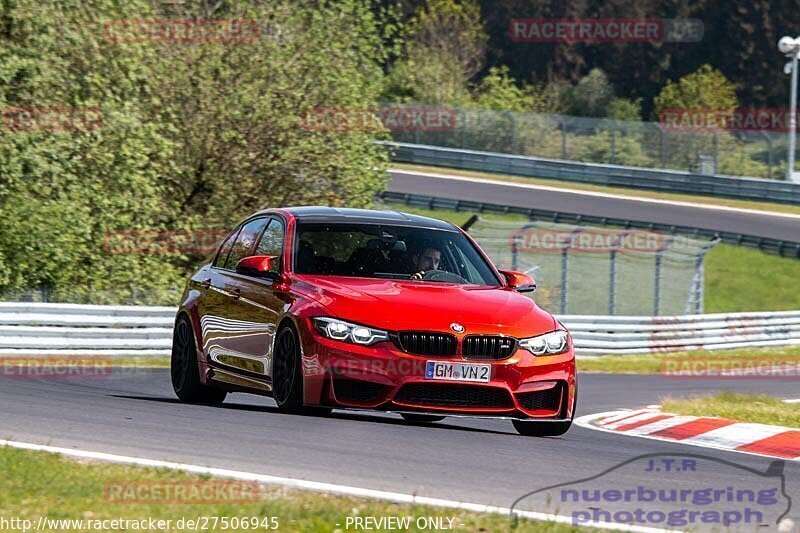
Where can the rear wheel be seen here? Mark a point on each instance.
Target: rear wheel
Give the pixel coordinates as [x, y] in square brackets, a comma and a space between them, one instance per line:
[421, 419]
[287, 375]
[185, 371]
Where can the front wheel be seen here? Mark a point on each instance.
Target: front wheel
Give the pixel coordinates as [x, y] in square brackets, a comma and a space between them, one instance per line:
[546, 429]
[287, 376]
[185, 371]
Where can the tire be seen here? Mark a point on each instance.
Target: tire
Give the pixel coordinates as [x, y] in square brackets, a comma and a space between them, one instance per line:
[287, 376]
[541, 429]
[546, 429]
[421, 419]
[184, 370]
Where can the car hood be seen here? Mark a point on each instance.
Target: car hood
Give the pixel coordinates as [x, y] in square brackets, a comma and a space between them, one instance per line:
[407, 305]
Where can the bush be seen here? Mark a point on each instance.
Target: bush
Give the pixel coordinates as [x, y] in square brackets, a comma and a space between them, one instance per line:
[189, 133]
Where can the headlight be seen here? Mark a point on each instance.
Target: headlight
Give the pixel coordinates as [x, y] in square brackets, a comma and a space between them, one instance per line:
[548, 344]
[344, 331]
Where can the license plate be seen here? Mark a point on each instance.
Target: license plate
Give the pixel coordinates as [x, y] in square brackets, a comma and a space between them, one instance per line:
[458, 371]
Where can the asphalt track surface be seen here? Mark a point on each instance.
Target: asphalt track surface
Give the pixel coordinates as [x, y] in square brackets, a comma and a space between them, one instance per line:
[133, 412]
[759, 225]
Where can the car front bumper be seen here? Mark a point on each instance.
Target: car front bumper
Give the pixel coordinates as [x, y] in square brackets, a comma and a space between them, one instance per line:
[383, 377]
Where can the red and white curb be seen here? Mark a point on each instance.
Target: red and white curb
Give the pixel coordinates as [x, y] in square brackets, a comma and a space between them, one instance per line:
[708, 432]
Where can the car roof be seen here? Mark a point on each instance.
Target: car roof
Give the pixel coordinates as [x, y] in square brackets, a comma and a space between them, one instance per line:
[322, 214]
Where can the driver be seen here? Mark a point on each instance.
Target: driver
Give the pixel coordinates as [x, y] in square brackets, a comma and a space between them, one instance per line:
[428, 258]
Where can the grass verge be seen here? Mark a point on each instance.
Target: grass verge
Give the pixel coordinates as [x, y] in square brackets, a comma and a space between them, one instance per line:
[744, 279]
[758, 408]
[36, 484]
[141, 361]
[710, 200]
[736, 278]
[699, 361]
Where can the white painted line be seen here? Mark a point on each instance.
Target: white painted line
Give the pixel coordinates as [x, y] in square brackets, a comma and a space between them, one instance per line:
[625, 414]
[586, 422]
[661, 424]
[598, 194]
[638, 418]
[736, 435]
[396, 497]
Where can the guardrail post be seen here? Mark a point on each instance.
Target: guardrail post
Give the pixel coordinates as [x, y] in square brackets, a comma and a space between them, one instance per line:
[769, 154]
[698, 301]
[463, 127]
[716, 152]
[663, 148]
[515, 252]
[510, 116]
[613, 142]
[612, 282]
[657, 283]
[564, 278]
[563, 138]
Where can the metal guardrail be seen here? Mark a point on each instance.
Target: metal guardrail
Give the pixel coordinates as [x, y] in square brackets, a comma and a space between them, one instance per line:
[75, 329]
[773, 246]
[620, 335]
[600, 174]
[69, 329]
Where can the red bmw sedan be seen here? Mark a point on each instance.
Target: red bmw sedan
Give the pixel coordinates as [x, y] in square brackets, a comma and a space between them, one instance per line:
[325, 308]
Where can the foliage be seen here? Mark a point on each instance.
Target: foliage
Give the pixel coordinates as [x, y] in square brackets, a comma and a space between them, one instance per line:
[499, 91]
[590, 97]
[445, 48]
[191, 132]
[625, 109]
[705, 89]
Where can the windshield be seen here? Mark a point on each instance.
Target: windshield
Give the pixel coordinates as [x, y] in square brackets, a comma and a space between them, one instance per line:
[393, 252]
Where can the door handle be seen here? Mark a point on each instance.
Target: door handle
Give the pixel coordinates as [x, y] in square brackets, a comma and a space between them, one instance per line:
[206, 283]
[236, 294]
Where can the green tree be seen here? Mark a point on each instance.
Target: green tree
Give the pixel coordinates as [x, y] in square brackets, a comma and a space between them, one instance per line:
[191, 132]
[705, 89]
[499, 91]
[445, 48]
[590, 97]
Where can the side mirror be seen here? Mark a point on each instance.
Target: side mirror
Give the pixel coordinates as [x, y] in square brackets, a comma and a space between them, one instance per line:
[518, 281]
[260, 266]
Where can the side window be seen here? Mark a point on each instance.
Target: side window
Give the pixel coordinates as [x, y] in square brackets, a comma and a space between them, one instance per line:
[271, 242]
[224, 250]
[245, 241]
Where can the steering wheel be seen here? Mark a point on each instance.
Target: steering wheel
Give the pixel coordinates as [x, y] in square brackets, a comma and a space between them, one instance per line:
[443, 276]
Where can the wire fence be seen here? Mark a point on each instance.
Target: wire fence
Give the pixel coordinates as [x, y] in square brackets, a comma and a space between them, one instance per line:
[754, 153]
[599, 271]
